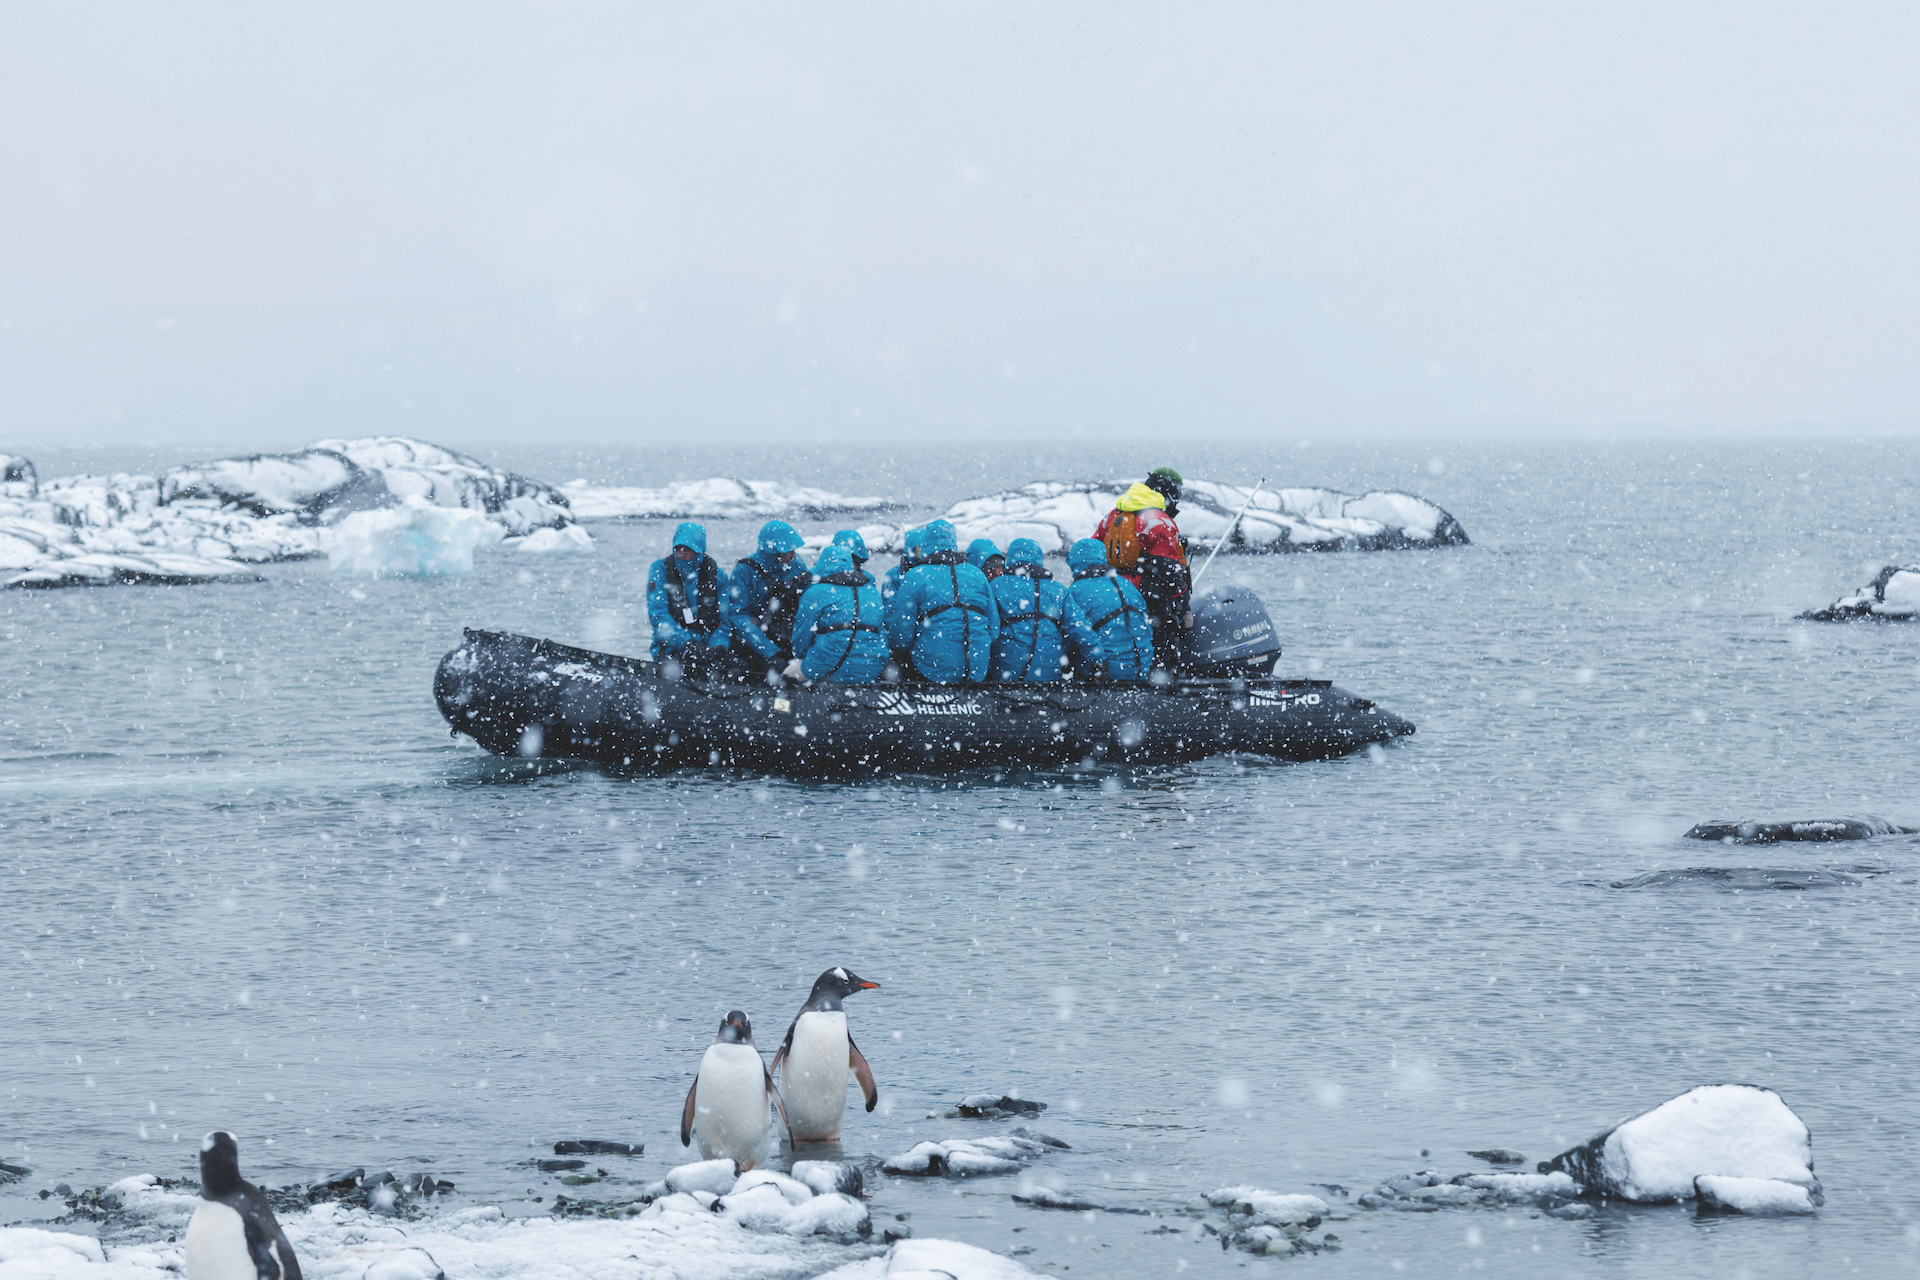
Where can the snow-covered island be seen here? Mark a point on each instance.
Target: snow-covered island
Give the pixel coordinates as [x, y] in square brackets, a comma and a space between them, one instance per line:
[1056, 514]
[210, 522]
[1894, 594]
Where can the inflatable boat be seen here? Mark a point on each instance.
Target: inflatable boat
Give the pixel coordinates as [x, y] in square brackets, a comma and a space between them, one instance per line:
[521, 696]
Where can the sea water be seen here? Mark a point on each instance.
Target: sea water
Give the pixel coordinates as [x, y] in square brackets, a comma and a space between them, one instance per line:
[251, 882]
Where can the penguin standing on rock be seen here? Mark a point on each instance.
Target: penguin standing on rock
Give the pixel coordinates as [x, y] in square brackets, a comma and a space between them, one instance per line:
[817, 1056]
[233, 1234]
[728, 1101]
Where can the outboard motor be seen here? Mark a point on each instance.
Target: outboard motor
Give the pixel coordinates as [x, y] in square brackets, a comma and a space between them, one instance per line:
[1233, 635]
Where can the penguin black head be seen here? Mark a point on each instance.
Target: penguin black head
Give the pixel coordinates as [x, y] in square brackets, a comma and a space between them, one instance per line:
[735, 1030]
[835, 985]
[219, 1164]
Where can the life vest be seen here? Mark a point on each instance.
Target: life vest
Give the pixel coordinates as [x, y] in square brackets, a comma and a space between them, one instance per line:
[704, 613]
[1123, 540]
[1036, 616]
[775, 614]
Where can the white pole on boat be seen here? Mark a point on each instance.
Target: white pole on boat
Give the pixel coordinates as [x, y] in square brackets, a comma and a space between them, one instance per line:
[1194, 585]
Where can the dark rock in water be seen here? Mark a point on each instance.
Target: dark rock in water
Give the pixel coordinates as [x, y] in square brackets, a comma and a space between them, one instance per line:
[597, 1147]
[342, 1181]
[1745, 879]
[12, 1172]
[1498, 1155]
[1047, 1198]
[1022, 1131]
[1735, 1131]
[1818, 830]
[1893, 595]
[559, 1166]
[984, 1106]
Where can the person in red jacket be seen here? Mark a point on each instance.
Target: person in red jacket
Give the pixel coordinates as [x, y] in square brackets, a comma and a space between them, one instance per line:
[1145, 545]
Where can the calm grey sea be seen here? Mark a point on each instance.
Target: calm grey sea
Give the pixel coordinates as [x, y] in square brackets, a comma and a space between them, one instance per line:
[250, 882]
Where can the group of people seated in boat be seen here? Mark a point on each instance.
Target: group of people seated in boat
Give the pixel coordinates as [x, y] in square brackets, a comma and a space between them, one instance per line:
[942, 615]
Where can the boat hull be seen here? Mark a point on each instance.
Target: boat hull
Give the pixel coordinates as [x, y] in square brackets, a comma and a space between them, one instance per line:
[520, 696]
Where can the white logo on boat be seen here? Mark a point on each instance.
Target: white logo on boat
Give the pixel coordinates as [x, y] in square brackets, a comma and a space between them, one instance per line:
[1260, 628]
[925, 704]
[579, 670]
[1265, 699]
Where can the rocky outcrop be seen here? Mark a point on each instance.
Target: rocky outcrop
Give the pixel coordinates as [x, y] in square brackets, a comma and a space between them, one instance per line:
[1893, 595]
[1736, 1131]
[1814, 830]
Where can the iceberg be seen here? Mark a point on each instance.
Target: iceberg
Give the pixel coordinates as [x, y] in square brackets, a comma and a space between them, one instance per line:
[1894, 594]
[1737, 1131]
[1057, 514]
[209, 521]
[414, 540]
[717, 498]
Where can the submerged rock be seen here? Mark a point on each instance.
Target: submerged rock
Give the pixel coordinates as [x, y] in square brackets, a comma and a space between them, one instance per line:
[1499, 1155]
[1893, 595]
[985, 1106]
[1751, 879]
[597, 1147]
[1815, 830]
[1729, 1130]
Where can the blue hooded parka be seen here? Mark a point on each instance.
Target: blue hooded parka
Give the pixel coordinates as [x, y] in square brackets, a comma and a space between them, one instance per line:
[1114, 609]
[909, 556]
[675, 591]
[943, 620]
[981, 550]
[1040, 622]
[840, 632]
[856, 547]
[763, 593]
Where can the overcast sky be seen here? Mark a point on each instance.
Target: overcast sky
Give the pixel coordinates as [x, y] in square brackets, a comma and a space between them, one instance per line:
[626, 222]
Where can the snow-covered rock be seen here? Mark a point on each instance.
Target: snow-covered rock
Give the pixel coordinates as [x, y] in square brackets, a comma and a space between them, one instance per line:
[718, 498]
[205, 523]
[932, 1259]
[714, 1176]
[823, 1176]
[572, 540]
[1523, 1187]
[1729, 1130]
[1760, 1197]
[966, 1157]
[1057, 514]
[414, 540]
[1271, 1207]
[1894, 593]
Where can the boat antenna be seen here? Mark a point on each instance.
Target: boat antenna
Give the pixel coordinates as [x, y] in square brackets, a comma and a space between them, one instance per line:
[1194, 584]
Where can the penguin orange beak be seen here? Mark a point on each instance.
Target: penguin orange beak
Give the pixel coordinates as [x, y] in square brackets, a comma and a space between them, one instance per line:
[869, 986]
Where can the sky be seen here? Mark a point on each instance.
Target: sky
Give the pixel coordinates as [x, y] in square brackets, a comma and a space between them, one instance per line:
[635, 223]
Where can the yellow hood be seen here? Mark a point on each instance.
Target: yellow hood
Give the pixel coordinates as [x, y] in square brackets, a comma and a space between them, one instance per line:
[1140, 497]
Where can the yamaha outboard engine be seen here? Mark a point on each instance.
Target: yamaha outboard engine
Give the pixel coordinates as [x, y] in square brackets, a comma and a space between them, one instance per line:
[1232, 635]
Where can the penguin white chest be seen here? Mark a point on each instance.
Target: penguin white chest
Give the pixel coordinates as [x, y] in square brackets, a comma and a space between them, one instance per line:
[217, 1245]
[730, 1104]
[813, 1078]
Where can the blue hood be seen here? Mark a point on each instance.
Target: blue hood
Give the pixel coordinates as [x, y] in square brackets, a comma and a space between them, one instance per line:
[1087, 553]
[691, 535]
[835, 559]
[778, 537]
[941, 536]
[1024, 551]
[855, 544]
[979, 550]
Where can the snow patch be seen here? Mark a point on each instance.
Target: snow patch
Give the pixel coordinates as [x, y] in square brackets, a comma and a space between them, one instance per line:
[718, 498]
[932, 1260]
[1761, 1197]
[572, 540]
[1270, 1207]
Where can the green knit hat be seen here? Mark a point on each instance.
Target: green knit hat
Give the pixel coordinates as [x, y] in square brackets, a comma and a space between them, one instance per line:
[1169, 473]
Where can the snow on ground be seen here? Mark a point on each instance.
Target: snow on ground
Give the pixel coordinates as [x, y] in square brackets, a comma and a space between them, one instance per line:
[208, 522]
[718, 498]
[1894, 593]
[932, 1260]
[1728, 1130]
[1057, 514]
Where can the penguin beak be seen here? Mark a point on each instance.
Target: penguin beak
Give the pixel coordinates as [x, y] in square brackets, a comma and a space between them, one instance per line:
[868, 986]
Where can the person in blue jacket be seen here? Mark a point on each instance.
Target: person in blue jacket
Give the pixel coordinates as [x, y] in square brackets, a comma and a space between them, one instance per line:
[856, 546]
[840, 632]
[1040, 623]
[942, 622]
[1114, 609]
[909, 557]
[984, 555]
[686, 602]
[764, 594]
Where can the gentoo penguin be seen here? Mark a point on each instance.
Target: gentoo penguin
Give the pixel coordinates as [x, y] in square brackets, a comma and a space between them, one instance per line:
[817, 1055]
[728, 1100]
[233, 1234]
